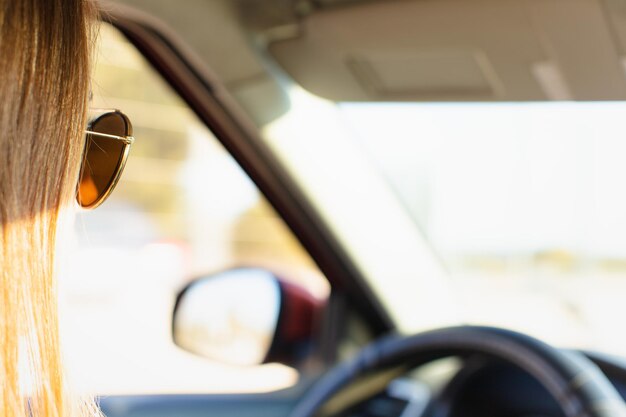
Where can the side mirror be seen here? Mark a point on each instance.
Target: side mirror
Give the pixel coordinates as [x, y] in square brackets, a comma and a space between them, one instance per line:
[246, 316]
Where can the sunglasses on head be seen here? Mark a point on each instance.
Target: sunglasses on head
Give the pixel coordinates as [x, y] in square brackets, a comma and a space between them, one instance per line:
[108, 140]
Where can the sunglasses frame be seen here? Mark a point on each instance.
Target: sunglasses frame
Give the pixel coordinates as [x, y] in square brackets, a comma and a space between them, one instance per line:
[128, 141]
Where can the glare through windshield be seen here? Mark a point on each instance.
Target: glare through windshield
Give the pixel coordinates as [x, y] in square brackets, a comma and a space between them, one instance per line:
[524, 203]
[521, 204]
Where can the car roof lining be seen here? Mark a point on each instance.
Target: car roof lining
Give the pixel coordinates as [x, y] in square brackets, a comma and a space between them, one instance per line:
[405, 50]
[456, 50]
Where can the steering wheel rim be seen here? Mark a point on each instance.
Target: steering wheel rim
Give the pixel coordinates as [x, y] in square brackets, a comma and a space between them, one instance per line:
[577, 385]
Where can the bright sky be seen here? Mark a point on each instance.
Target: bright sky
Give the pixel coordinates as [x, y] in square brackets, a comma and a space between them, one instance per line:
[504, 178]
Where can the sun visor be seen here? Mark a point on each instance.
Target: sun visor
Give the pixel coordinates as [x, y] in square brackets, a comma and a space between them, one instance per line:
[456, 50]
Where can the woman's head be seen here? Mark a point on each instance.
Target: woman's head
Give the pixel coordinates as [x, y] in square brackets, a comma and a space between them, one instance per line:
[45, 54]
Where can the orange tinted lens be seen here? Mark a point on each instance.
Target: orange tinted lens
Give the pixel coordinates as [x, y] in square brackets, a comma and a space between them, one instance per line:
[102, 160]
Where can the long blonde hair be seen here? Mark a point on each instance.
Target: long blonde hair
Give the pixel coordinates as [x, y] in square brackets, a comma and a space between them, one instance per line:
[45, 54]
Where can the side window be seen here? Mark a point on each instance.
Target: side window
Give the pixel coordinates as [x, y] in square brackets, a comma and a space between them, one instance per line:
[183, 209]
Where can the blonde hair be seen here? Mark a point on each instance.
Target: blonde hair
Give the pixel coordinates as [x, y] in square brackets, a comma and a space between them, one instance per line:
[45, 54]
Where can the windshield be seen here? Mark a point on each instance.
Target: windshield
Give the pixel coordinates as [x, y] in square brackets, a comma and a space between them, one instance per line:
[502, 214]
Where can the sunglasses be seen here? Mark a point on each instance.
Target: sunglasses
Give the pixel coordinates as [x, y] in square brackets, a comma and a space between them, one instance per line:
[108, 140]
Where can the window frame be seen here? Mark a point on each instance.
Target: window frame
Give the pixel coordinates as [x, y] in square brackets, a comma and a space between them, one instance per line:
[208, 99]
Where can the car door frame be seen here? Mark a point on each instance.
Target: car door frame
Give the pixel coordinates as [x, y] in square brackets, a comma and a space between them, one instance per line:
[195, 83]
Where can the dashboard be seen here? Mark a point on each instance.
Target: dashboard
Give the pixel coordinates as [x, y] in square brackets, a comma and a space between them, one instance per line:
[469, 388]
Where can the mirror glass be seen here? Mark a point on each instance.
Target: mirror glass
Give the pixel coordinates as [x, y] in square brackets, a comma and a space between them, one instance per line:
[231, 316]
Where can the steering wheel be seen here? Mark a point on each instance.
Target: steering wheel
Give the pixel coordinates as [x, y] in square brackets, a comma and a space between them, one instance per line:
[577, 385]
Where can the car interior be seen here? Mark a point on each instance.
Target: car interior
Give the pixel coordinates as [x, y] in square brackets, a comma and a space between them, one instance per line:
[260, 268]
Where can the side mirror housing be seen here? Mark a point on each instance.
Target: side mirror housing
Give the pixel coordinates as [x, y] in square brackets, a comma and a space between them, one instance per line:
[247, 316]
